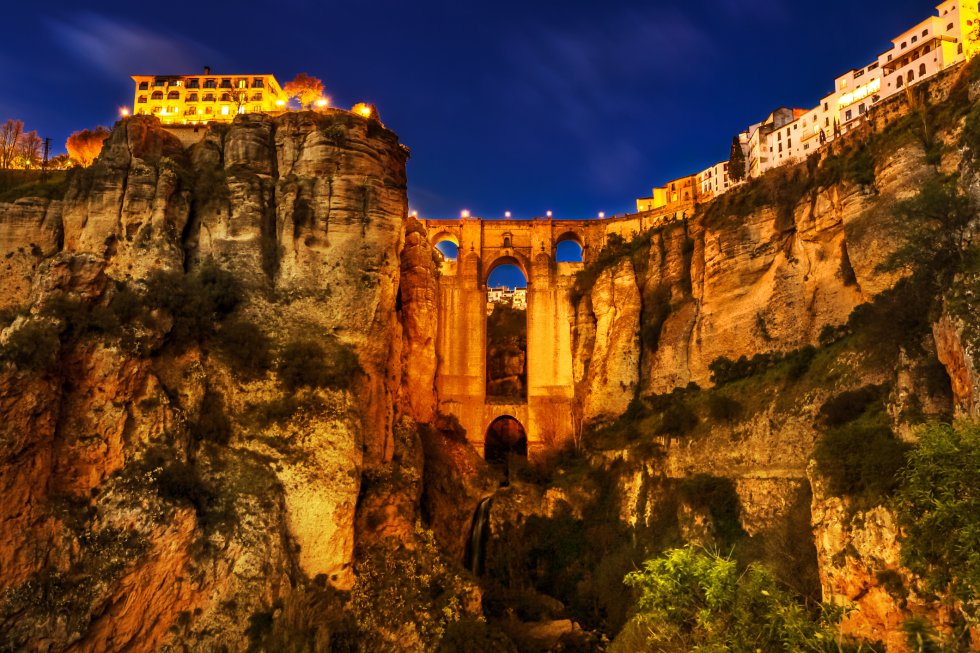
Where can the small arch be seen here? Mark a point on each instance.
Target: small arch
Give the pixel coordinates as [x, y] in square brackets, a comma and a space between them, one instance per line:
[922, 70]
[505, 437]
[447, 244]
[568, 251]
[516, 261]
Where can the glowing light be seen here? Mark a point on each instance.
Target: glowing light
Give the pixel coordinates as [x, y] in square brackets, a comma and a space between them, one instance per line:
[602, 214]
[464, 213]
[859, 93]
[415, 214]
[280, 103]
[363, 109]
[322, 102]
[507, 215]
[123, 112]
[549, 214]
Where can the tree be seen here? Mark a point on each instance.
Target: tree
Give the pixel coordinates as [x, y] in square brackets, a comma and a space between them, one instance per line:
[736, 162]
[692, 600]
[940, 494]
[83, 146]
[29, 150]
[305, 88]
[10, 136]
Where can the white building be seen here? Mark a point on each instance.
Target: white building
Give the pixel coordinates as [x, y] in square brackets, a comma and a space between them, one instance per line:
[714, 181]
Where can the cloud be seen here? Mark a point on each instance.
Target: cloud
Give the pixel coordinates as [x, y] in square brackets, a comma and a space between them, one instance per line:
[117, 48]
[591, 77]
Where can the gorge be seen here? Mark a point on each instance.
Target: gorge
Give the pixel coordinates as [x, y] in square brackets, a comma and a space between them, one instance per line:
[245, 400]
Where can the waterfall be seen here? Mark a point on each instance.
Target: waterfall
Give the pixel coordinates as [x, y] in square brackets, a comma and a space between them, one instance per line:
[479, 531]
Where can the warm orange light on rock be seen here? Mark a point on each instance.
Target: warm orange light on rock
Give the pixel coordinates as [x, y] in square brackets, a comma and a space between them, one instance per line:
[323, 102]
[363, 109]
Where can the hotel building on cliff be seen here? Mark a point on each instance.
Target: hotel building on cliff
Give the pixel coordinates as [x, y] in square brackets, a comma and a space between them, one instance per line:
[946, 39]
[200, 99]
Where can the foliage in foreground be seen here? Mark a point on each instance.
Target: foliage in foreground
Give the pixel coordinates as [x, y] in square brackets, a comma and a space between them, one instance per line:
[691, 600]
[940, 493]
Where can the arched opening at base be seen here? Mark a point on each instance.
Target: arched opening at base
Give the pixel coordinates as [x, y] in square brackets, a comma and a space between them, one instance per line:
[505, 437]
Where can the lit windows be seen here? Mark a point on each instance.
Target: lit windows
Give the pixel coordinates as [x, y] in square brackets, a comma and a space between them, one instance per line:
[192, 97]
[141, 99]
[144, 86]
[173, 95]
[157, 95]
[225, 110]
[210, 83]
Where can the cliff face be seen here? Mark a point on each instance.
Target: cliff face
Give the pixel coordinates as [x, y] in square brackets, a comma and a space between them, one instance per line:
[127, 525]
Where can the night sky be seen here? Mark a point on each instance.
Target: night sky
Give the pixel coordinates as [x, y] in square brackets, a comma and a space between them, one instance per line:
[573, 106]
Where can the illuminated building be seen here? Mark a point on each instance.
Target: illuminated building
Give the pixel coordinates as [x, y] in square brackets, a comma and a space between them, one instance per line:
[199, 99]
[786, 136]
[675, 196]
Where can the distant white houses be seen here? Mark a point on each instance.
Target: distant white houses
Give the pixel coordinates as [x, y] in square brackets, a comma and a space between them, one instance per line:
[787, 135]
[514, 297]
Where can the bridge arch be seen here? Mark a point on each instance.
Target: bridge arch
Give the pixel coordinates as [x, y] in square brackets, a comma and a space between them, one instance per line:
[447, 244]
[569, 248]
[505, 436]
[517, 260]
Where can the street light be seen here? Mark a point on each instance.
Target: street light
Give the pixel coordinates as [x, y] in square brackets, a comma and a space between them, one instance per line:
[602, 214]
[123, 111]
[549, 214]
[464, 213]
[507, 215]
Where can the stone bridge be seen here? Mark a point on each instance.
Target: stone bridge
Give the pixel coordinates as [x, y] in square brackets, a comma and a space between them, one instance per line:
[549, 415]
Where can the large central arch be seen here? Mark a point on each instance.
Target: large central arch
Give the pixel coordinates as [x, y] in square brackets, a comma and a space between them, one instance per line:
[548, 412]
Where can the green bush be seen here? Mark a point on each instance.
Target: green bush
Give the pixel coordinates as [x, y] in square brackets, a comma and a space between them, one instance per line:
[861, 460]
[690, 600]
[246, 346]
[724, 409]
[850, 405]
[196, 302]
[938, 501]
[35, 346]
[212, 423]
[181, 482]
[328, 363]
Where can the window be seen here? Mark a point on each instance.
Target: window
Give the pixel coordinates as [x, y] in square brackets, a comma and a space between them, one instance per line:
[226, 97]
[225, 83]
[256, 97]
[789, 143]
[243, 83]
[847, 116]
[959, 50]
[898, 82]
[192, 97]
[193, 83]
[173, 95]
[911, 76]
[144, 86]
[209, 97]
[157, 95]
[155, 110]
[925, 32]
[158, 82]
[209, 83]
[915, 39]
[258, 83]
[922, 70]
[171, 109]
[904, 44]
[208, 110]
[826, 106]
[225, 110]
[889, 57]
[141, 99]
[949, 27]
[861, 109]
[780, 147]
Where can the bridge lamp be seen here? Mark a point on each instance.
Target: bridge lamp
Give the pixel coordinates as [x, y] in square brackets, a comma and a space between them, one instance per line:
[464, 213]
[602, 214]
[507, 215]
[415, 214]
[549, 214]
[123, 111]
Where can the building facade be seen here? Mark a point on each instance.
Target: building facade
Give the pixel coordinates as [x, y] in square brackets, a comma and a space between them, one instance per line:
[786, 136]
[200, 99]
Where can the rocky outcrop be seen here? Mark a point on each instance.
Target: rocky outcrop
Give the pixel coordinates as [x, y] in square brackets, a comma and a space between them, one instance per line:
[418, 298]
[30, 231]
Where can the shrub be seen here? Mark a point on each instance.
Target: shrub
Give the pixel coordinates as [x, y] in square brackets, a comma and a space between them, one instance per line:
[247, 347]
[33, 346]
[181, 482]
[724, 409]
[692, 600]
[861, 460]
[212, 424]
[311, 364]
[848, 406]
[195, 301]
[938, 501]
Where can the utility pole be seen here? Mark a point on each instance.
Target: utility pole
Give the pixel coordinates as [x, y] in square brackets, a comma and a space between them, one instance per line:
[44, 161]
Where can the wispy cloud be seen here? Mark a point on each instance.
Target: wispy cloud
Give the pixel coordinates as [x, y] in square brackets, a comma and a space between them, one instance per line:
[589, 76]
[119, 48]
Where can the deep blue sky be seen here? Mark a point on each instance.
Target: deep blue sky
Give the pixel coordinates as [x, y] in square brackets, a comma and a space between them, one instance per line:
[575, 106]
